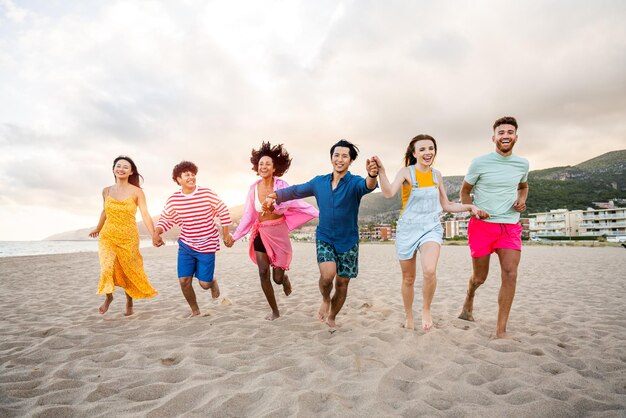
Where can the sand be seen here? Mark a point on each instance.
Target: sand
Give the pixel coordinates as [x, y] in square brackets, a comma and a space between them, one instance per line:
[60, 357]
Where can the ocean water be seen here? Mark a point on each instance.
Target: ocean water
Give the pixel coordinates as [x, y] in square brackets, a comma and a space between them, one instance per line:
[21, 248]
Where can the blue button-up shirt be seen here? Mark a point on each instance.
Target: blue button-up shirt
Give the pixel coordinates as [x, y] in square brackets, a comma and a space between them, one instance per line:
[339, 208]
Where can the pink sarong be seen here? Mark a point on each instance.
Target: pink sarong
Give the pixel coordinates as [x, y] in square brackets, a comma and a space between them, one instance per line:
[275, 237]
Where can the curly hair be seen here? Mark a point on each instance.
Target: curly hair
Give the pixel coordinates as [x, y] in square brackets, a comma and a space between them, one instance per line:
[135, 179]
[183, 167]
[278, 154]
[409, 158]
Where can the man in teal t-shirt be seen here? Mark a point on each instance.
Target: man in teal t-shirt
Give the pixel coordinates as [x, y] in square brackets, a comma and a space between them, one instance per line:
[499, 182]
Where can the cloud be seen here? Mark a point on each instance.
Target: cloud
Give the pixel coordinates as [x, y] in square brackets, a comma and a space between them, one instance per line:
[161, 82]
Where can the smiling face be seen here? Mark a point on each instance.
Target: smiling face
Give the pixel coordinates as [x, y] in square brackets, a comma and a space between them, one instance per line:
[505, 137]
[187, 181]
[122, 169]
[266, 167]
[341, 159]
[424, 152]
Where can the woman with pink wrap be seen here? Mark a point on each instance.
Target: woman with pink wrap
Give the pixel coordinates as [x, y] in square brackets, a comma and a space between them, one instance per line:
[270, 247]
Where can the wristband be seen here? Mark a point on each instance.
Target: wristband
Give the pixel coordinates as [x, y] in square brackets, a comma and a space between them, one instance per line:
[369, 175]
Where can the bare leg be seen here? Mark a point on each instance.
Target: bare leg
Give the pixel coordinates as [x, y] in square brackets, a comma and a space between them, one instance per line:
[429, 257]
[509, 261]
[341, 291]
[190, 295]
[328, 270]
[105, 306]
[281, 277]
[215, 288]
[129, 305]
[480, 269]
[268, 290]
[408, 292]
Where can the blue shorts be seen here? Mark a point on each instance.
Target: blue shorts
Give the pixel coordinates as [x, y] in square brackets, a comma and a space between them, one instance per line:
[193, 263]
[347, 263]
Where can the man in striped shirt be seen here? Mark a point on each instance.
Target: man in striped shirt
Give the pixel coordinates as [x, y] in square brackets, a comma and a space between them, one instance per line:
[194, 209]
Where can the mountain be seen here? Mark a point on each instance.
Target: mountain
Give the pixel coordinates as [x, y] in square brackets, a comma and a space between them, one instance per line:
[599, 179]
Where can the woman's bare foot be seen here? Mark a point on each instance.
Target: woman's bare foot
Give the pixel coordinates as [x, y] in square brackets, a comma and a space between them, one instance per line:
[409, 324]
[107, 301]
[129, 306]
[331, 322]
[427, 320]
[272, 316]
[286, 286]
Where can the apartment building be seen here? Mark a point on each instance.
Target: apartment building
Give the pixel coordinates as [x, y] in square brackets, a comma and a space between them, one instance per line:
[379, 232]
[598, 222]
[558, 223]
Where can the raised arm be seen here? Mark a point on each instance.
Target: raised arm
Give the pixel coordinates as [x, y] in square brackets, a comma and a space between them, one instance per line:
[103, 217]
[372, 173]
[390, 189]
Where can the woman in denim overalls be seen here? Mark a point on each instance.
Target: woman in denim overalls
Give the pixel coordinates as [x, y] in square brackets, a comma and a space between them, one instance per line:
[419, 227]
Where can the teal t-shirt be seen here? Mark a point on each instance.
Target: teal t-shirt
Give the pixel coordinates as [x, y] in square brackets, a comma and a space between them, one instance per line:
[495, 179]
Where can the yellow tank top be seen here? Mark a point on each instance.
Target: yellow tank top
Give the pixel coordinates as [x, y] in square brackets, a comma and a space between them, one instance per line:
[423, 180]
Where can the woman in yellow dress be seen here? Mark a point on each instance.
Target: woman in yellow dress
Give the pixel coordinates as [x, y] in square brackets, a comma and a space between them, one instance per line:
[121, 263]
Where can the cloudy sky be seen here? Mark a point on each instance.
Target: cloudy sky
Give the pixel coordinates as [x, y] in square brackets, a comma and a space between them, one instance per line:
[82, 82]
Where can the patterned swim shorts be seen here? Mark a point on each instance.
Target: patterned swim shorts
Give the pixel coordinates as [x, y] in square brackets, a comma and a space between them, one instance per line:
[347, 263]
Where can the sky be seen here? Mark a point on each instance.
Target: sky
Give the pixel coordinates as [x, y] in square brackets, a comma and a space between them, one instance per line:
[208, 81]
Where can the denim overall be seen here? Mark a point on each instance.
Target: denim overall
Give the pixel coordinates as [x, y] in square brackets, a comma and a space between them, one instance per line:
[419, 222]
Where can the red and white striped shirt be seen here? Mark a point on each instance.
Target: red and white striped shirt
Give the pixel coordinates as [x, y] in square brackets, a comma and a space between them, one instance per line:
[195, 213]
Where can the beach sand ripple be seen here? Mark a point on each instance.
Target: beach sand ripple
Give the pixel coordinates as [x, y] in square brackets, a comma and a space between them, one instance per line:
[60, 358]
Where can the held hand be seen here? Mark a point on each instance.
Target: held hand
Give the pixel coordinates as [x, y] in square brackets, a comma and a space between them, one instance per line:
[519, 206]
[478, 213]
[94, 233]
[371, 167]
[379, 164]
[229, 241]
[157, 240]
[268, 205]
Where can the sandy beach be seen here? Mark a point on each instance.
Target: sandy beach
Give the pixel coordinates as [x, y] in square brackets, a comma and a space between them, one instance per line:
[60, 358]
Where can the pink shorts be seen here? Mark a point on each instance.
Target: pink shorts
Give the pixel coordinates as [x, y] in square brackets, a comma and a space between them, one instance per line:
[486, 237]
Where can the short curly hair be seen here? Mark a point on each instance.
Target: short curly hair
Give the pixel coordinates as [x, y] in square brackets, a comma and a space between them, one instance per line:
[183, 167]
[278, 154]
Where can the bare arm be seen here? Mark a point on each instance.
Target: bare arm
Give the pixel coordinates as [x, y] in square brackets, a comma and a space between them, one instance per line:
[458, 207]
[143, 209]
[103, 217]
[522, 195]
[390, 189]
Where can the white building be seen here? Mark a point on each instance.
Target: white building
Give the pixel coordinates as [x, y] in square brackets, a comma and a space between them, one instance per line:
[556, 223]
[610, 222]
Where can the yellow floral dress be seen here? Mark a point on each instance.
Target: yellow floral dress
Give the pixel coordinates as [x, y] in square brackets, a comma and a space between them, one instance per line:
[121, 263]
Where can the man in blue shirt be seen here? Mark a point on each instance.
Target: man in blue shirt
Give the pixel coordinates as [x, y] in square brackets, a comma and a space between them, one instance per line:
[338, 197]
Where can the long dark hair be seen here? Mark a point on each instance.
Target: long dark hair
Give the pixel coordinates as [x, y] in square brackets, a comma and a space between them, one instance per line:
[134, 178]
[409, 158]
